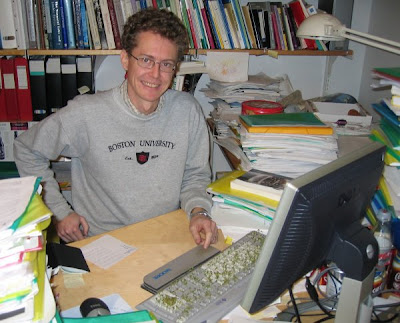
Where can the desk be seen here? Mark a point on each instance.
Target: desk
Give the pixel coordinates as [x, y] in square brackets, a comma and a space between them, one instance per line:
[157, 240]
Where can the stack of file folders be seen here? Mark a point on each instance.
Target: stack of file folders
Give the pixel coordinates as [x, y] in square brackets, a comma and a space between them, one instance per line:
[288, 144]
[236, 208]
[388, 133]
[25, 293]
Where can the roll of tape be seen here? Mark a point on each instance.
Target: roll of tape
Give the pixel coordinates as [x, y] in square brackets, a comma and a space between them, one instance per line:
[261, 107]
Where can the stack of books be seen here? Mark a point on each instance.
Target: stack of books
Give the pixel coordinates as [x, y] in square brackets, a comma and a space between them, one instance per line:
[388, 133]
[25, 291]
[288, 144]
[388, 107]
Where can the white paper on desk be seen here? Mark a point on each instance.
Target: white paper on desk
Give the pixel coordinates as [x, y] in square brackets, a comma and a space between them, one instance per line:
[115, 303]
[228, 67]
[106, 251]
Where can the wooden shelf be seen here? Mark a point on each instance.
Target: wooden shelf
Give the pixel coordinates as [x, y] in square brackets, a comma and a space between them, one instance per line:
[12, 52]
[93, 52]
[99, 52]
[276, 53]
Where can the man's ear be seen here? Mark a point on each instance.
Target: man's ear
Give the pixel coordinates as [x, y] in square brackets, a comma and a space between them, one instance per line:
[124, 59]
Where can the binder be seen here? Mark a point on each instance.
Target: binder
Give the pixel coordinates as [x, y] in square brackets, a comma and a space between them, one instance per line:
[38, 87]
[53, 84]
[84, 75]
[68, 78]
[3, 111]
[23, 88]
[8, 84]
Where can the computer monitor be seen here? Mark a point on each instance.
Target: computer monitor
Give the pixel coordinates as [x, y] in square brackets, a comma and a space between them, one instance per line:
[318, 220]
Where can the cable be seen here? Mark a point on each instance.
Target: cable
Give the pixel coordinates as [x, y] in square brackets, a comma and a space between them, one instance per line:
[314, 296]
[294, 304]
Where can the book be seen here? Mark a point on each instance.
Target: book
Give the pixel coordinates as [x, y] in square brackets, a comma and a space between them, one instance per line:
[386, 113]
[69, 24]
[300, 14]
[391, 132]
[105, 14]
[30, 17]
[7, 26]
[77, 12]
[94, 31]
[21, 27]
[295, 123]
[100, 24]
[114, 24]
[250, 29]
[57, 37]
[261, 183]
[392, 73]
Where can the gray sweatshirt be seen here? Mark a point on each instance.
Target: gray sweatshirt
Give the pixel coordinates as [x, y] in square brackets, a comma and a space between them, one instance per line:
[125, 167]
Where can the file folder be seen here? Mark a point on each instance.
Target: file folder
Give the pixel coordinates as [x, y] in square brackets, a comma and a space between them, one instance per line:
[53, 84]
[23, 89]
[68, 78]
[38, 87]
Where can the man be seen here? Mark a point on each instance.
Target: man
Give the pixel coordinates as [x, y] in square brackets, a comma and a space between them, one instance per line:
[137, 151]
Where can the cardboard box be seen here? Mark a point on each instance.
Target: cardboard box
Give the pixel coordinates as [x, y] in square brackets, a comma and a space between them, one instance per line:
[8, 132]
[333, 112]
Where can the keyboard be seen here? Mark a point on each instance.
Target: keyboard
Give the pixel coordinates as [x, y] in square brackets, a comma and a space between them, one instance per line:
[211, 290]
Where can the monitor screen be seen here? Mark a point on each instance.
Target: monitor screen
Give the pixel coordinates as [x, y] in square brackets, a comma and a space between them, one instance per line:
[318, 220]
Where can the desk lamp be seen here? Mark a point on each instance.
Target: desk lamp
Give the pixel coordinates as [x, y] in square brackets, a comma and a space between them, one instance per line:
[323, 26]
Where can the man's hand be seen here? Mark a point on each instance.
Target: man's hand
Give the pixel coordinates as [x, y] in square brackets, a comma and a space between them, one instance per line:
[72, 228]
[204, 230]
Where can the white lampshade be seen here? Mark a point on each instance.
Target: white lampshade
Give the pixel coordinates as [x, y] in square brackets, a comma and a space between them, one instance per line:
[321, 26]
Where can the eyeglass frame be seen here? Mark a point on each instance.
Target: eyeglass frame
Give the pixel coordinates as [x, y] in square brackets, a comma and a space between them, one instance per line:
[140, 59]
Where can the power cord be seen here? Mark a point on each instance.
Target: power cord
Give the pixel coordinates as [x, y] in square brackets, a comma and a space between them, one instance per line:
[296, 310]
[314, 296]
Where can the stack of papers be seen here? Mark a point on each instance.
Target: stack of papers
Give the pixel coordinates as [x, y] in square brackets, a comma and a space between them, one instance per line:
[256, 211]
[23, 216]
[258, 87]
[289, 155]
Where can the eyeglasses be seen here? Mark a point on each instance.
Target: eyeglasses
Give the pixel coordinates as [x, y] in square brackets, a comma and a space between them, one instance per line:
[146, 62]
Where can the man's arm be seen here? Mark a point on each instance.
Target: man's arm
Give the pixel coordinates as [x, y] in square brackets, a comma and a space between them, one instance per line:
[33, 151]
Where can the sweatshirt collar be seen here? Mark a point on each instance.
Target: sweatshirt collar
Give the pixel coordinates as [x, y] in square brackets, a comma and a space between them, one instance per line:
[124, 93]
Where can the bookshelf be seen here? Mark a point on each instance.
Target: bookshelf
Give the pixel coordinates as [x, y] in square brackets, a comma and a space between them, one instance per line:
[101, 52]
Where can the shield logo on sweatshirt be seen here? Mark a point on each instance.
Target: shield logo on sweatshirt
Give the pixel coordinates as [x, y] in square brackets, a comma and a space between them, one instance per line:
[142, 157]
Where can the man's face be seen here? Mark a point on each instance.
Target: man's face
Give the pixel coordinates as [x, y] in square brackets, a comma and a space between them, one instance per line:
[146, 85]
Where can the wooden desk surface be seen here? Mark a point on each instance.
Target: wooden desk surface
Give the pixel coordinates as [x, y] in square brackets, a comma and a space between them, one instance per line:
[157, 240]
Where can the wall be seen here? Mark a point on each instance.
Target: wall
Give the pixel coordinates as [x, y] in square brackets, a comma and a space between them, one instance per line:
[353, 76]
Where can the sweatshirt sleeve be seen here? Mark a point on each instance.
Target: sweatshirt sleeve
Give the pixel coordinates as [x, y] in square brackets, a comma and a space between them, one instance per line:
[197, 174]
[33, 151]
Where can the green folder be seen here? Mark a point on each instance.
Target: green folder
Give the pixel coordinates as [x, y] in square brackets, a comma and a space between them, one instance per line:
[283, 119]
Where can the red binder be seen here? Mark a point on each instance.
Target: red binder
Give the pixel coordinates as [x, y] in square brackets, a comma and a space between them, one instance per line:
[23, 88]
[3, 111]
[8, 83]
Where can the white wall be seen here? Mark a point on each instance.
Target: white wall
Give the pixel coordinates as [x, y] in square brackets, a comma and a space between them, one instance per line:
[353, 76]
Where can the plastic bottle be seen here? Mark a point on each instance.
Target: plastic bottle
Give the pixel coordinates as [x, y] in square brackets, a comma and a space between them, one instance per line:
[384, 237]
[394, 275]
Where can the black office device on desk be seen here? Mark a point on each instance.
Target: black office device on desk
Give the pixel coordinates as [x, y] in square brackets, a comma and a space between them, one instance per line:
[319, 220]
